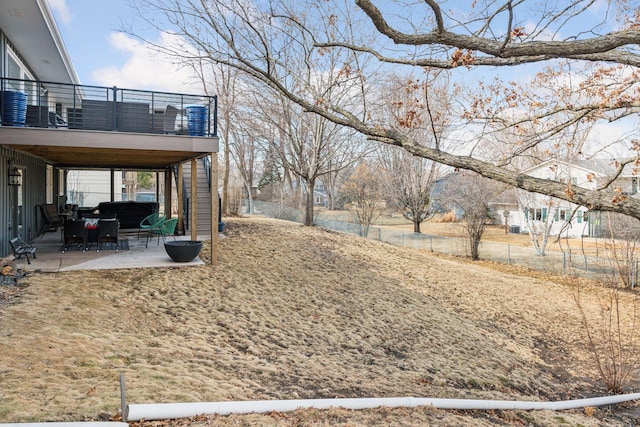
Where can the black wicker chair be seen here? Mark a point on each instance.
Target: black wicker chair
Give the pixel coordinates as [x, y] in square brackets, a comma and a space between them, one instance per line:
[108, 232]
[75, 234]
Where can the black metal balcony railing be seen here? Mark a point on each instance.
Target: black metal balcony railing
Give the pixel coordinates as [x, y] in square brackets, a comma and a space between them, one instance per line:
[60, 105]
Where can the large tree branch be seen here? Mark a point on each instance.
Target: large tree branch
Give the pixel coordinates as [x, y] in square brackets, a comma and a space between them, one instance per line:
[591, 199]
[616, 56]
[497, 48]
[263, 51]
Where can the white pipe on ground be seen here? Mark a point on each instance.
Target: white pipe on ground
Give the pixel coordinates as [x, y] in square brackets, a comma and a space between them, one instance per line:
[68, 424]
[163, 411]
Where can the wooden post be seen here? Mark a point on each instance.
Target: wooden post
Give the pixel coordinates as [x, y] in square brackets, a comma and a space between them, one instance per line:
[194, 199]
[214, 208]
[112, 182]
[167, 191]
[180, 194]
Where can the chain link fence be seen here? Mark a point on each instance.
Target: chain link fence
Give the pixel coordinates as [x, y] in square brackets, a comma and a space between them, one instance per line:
[595, 261]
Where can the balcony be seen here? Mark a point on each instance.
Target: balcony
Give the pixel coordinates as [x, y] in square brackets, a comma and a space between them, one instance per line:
[99, 108]
[93, 126]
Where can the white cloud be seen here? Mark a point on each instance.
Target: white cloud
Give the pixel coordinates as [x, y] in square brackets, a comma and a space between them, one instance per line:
[144, 67]
[62, 10]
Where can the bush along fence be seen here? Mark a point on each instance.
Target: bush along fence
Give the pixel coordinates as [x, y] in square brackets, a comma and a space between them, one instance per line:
[595, 262]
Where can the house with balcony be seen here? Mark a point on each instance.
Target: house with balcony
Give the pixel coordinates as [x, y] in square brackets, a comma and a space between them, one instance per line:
[51, 125]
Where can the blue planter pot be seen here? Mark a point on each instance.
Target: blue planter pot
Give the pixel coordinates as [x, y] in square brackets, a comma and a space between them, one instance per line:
[196, 119]
[14, 108]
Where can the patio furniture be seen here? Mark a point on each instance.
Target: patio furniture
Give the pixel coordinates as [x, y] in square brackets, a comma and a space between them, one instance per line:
[164, 228]
[164, 121]
[169, 119]
[108, 232]
[21, 249]
[129, 213]
[37, 116]
[150, 221]
[97, 115]
[134, 117]
[91, 224]
[51, 218]
[75, 233]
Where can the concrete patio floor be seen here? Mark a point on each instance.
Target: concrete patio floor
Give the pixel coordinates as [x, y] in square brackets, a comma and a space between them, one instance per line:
[50, 258]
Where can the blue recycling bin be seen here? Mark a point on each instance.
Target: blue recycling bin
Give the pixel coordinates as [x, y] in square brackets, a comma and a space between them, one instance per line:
[196, 119]
[14, 108]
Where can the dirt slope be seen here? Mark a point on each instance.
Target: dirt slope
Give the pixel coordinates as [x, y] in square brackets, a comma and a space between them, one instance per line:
[295, 312]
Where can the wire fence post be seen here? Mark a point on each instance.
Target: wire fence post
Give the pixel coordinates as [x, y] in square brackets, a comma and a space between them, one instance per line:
[508, 254]
[564, 263]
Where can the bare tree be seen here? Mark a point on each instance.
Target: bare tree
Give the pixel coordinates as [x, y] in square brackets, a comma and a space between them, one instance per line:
[308, 145]
[333, 181]
[613, 347]
[264, 40]
[221, 80]
[364, 195]
[410, 184]
[244, 152]
[472, 193]
[539, 213]
[623, 234]
[422, 107]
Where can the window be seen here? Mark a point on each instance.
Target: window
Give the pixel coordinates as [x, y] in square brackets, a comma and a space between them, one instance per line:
[49, 184]
[13, 70]
[16, 69]
[535, 214]
[562, 215]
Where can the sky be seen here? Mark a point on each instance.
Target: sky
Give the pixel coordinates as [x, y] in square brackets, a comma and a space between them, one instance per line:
[103, 55]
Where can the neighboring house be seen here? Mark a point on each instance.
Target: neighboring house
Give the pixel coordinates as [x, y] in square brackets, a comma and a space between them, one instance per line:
[320, 195]
[441, 196]
[521, 210]
[52, 125]
[506, 210]
[566, 218]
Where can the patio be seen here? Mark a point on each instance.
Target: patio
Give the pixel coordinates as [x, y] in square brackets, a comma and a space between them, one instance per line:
[51, 259]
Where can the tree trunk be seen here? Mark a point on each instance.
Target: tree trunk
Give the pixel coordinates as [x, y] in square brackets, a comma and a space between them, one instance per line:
[249, 207]
[416, 225]
[475, 245]
[308, 217]
[225, 179]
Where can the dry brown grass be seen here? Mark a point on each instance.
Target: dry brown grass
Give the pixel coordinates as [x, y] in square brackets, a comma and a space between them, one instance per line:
[299, 312]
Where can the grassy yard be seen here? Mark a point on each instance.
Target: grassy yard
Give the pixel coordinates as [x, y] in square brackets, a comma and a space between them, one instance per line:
[301, 312]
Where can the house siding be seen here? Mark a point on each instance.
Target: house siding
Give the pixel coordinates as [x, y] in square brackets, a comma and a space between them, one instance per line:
[586, 174]
[34, 180]
[203, 194]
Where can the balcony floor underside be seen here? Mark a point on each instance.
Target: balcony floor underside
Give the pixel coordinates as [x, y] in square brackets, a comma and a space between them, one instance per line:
[106, 149]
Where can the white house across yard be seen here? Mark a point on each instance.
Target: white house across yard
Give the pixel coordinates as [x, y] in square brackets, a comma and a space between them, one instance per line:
[524, 211]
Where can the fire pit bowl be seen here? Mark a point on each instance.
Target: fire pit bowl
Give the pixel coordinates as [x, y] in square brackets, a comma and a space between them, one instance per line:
[183, 250]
